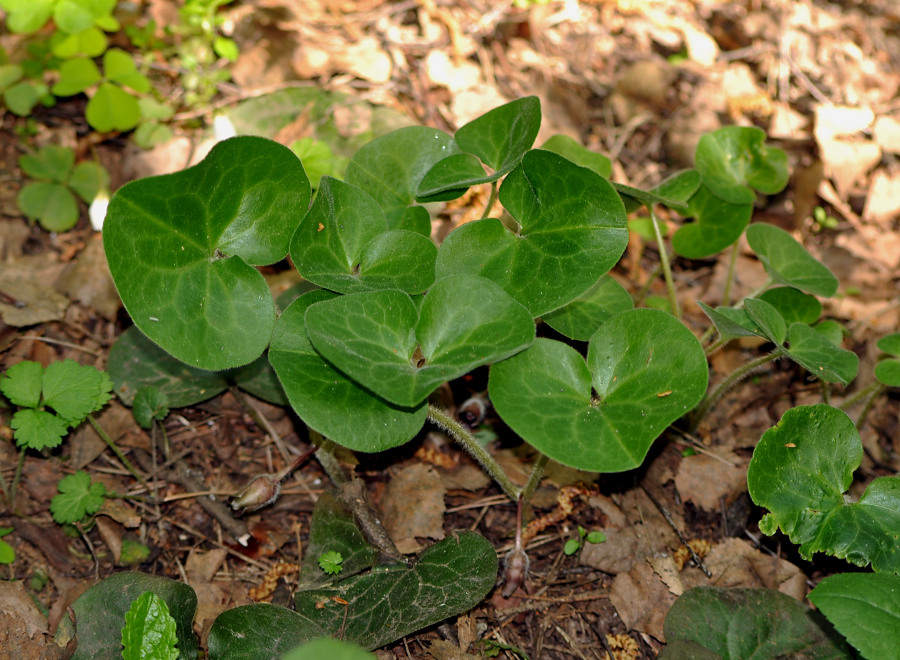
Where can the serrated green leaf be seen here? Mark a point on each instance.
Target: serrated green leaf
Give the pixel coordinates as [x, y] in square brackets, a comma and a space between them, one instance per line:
[149, 630]
[343, 244]
[799, 472]
[403, 352]
[182, 249]
[88, 179]
[112, 108]
[788, 262]
[644, 370]
[77, 498]
[734, 159]
[865, 608]
[21, 384]
[580, 318]
[330, 562]
[708, 623]
[51, 204]
[149, 404]
[574, 151]
[573, 229]
[793, 305]
[326, 399]
[718, 224]
[74, 391]
[75, 76]
[38, 429]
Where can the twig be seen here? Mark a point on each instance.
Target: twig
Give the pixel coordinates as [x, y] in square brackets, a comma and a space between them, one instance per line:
[681, 538]
[264, 423]
[118, 452]
[59, 342]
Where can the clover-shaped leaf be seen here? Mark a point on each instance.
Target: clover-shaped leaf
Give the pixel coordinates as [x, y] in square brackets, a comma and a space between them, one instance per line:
[390, 168]
[403, 351]
[499, 138]
[573, 229]
[887, 371]
[326, 399]
[719, 223]
[801, 469]
[788, 262]
[644, 370]
[581, 317]
[343, 244]
[182, 249]
[734, 159]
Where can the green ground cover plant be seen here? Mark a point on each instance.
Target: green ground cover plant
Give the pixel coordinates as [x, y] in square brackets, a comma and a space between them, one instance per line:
[386, 317]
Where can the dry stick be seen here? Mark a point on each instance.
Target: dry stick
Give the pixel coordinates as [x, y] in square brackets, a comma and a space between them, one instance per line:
[264, 423]
[118, 452]
[681, 538]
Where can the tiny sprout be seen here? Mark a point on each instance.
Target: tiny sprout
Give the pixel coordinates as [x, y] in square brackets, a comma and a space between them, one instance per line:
[573, 545]
[331, 561]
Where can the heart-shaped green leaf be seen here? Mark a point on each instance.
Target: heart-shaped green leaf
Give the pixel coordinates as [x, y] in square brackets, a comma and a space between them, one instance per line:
[119, 67]
[816, 353]
[391, 167]
[788, 262]
[644, 370]
[75, 76]
[793, 305]
[731, 322]
[801, 469]
[767, 319]
[887, 371]
[734, 159]
[403, 352]
[573, 230]
[326, 399]
[581, 317]
[182, 249]
[674, 192]
[326, 647]
[710, 623]
[88, 179]
[499, 138]
[573, 151]
[865, 608]
[718, 224]
[112, 108]
[343, 244]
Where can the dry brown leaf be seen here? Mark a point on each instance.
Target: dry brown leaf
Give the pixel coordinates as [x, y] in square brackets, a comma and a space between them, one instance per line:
[705, 480]
[29, 294]
[665, 567]
[846, 158]
[883, 201]
[413, 506]
[887, 134]
[87, 280]
[642, 600]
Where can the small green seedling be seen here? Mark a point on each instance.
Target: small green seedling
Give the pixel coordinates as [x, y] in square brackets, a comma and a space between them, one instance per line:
[79, 498]
[331, 561]
[50, 198]
[7, 553]
[822, 220]
[574, 545]
[53, 400]
[149, 630]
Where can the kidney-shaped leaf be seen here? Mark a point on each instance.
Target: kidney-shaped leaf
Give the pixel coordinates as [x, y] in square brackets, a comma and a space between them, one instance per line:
[574, 151]
[718, 224]
[801, 469]
[403, 352]
[734, 159]
[644, 371]
[710, 622]
[326, 399]
[581, 317]
[182, 249]
[865, 608]
[343, 244]
[815, 352]
[788, 262]
[793, 305]
[573, 230]
[887, 371]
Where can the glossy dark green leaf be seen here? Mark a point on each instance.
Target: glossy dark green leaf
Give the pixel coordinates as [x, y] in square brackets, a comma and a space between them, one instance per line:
[182, 249]
[403, 352]
[887, 371]
[767, 319]
[674, 192]
[788, 262]
[326, 647]
[711, 623]
[731, 322]
[149, 630]
[801, 469]
[865, 608]
[343, 244]
[580, 318]
[718, 225]
[816, 353]
[644, 371]
[572, 231]
[573, 151]
[100, 613]
[734, 159]
[326, 399]
[793, 305]
[391, 167]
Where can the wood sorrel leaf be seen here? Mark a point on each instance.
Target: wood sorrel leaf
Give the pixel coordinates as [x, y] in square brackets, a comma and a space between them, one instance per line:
[865, 608]
[718, 224]
[325, 398]
[644, 370]
[343, 244]
[708, 623]
[801, 469]
[403, 352]
[580, 318]
[182, 249]
[793, 305]
[572, 230]
[390, 168]
[788, 262]
[499, 138]
[734, 159]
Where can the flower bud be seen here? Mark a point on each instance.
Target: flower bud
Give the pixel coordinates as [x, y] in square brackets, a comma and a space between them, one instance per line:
[260, 492]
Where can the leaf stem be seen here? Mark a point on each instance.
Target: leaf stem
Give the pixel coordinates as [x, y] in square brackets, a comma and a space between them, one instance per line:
[730, 381]
[491, 199]
[729, 280]
[867, 394]
[461, 434]
[11, 497]
[666, 266]
[118, 452]
[537, 471]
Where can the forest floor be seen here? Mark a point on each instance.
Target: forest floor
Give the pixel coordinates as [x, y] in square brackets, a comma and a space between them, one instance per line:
[638, 80]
